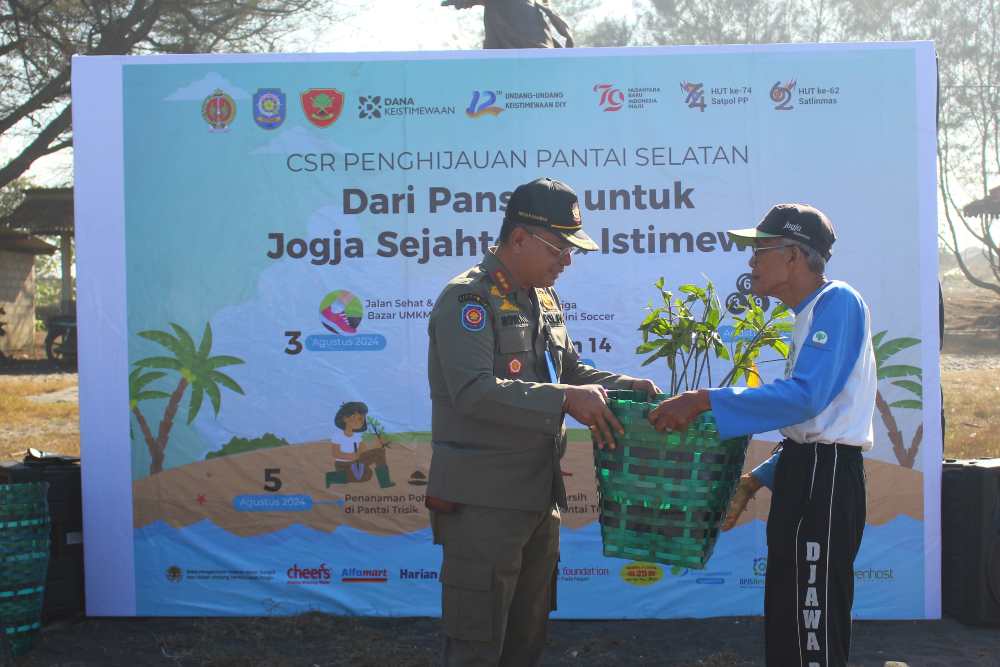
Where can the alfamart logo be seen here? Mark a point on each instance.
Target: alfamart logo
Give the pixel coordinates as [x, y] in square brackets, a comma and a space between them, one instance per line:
[358, 575]
[641, 574]
[341, 313]
[309, 575]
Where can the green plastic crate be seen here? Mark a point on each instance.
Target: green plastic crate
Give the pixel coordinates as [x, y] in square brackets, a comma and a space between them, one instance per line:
[662, 496]
[24, 560]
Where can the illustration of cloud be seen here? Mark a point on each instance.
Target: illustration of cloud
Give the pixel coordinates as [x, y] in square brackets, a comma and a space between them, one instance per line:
[201, 89]
[298, 139]
[296, 396]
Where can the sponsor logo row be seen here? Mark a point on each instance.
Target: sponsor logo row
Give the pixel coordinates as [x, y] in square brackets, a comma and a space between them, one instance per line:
[324, 106]
[634, 573]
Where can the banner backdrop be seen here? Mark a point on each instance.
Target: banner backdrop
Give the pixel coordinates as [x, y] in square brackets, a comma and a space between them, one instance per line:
[261, 240]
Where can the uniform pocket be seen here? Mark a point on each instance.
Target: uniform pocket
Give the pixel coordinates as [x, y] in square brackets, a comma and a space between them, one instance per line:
[513, 351]
[467, 603]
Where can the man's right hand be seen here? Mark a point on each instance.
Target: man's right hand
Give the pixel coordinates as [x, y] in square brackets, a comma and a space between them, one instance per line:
[588, 405]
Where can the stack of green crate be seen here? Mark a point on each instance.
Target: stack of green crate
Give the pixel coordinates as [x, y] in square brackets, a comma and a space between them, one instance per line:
[663, 495]
[24, 561]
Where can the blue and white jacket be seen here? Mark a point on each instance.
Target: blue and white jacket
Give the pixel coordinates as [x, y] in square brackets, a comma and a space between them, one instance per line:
[828, 392]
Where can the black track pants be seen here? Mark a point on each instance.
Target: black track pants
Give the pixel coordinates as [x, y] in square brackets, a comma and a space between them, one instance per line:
[813, 534]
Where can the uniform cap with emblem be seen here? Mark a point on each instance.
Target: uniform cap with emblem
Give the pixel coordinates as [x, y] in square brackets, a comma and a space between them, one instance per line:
[798, 222]
[553, 205]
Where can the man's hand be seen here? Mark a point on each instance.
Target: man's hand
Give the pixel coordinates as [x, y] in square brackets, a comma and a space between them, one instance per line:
[588, 405]
[674, 414]
[647, 386]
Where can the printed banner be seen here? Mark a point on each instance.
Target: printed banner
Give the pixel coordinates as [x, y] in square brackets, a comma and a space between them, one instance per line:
[262, 238]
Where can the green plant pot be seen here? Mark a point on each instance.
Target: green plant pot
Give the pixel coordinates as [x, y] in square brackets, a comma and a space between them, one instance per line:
[24, 561]
[662, 496]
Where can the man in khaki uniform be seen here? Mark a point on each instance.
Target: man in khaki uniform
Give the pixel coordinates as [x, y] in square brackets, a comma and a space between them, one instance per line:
[503, 372]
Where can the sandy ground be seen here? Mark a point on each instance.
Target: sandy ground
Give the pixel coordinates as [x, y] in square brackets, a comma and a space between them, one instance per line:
[322, 641]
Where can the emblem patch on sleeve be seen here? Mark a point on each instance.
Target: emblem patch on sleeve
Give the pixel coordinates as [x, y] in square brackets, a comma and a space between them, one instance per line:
[473, 317]
[820, 338]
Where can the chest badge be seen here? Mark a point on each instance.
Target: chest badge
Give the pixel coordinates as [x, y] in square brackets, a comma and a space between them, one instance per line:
[514, 366]
[546, 300]
[508, 307]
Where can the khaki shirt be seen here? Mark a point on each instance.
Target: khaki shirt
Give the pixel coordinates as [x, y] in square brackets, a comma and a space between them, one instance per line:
[497, 419]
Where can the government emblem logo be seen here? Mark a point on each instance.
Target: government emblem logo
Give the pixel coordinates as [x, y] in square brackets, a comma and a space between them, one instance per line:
[370, 106]
[322, 106]
[514, 367]
[218, 110]
[269, 108]
[781, 95]
[695, 93]
[473, 317]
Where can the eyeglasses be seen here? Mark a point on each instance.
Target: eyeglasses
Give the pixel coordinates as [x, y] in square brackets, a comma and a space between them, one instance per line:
[563, 253]
[756, 251]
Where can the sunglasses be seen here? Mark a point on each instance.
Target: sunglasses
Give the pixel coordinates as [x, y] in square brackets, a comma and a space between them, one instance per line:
[756, 251]
[563, 253]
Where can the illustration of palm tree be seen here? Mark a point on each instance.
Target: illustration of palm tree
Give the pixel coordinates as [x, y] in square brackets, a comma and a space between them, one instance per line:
[902, 376]
[196, 369]
[137, 381]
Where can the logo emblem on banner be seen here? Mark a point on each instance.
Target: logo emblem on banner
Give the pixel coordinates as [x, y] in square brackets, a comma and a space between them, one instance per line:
[269, 108]
[341, 312]
[781, 95]
[322, 106]
[174, 574]
[218, 110]
[695, 94]
[609, 97]
[483, 103]
[473, 317]
[370, 106]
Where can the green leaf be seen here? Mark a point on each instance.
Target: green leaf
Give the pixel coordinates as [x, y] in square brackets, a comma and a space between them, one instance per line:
[226, 381]
[214, 395]
[891, 347]
[909, 403]
[898, 371]
[186, 342]
[160, 362]
[223, 360]
[915, 387]
[197, 394]
[877, 338]
[150, 395]
[206, 342]
[164, 339]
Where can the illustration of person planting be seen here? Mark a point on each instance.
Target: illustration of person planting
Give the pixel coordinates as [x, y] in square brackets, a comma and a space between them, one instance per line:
[357, 459]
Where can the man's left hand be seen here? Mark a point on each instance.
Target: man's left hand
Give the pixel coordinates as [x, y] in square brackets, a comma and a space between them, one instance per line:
[647, 386]
[674, 414]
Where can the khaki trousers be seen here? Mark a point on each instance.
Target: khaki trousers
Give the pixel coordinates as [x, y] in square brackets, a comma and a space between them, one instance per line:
[498, 583]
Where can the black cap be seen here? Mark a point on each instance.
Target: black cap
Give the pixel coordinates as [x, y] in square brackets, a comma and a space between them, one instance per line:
[798, 222]
[548, 203]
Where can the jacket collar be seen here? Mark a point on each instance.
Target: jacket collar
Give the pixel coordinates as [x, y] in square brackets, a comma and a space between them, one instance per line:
[498, 273]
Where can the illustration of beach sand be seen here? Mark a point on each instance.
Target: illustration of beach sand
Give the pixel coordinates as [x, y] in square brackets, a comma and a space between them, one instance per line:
[234, 493]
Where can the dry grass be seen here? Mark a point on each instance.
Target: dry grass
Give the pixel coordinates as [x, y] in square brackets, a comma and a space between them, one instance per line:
[24, 423]
[972, 408]
[972, 411]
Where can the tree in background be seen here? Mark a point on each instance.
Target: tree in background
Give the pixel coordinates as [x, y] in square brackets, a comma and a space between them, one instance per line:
[39, 37]
[969, 127]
